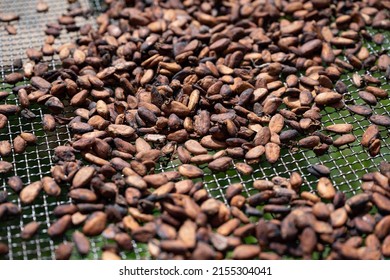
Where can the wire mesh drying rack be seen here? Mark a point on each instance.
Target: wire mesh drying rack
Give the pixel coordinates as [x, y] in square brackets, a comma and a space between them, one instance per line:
[347, 164]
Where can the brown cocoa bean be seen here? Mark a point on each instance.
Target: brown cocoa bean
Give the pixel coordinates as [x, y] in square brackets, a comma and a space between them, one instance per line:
[340, 128]
[310, 47]
[59, 227]
[95, 224]
[321, 211]
[244, 168]
[19, 145]
[50, 186]
[255, 153]
[13, 78]
[15, 183]
[371, 133]
[195, 147]
[3, 121]
[276, 123]
[82, 243]
[319, 170]
[374, 148]
[368, 97]
[83, 195]
[8, 109]
[83, 176]
[220, 164]
[272, 152]
[382, 228]
[344, 140]
[308, 240]
[7, 17]
[246, 252]
[30, 192]
[190, 171]
[325, 188]
[386, 247]
[381, 202]
[360, 110]
[338, 217]
[49, 123]
[327, 98]
[156, 180]
[30, 230]
[381, 120]
[63, 251]
[120, 130]
[5, 148]
[378, 92]
[309, 142]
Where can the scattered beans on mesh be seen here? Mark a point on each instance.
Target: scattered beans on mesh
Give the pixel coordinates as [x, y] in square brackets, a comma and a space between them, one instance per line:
[210, 84]
[192, 224]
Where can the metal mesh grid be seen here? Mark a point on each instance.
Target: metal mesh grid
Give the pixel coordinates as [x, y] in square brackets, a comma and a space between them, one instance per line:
[347, 164]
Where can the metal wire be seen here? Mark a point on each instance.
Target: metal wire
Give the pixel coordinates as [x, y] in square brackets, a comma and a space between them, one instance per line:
[347, 164]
